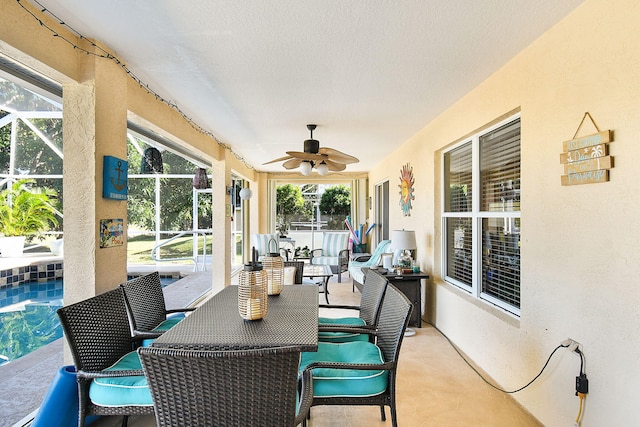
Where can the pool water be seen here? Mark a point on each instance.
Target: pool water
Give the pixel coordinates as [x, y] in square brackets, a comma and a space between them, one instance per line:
[28, 318]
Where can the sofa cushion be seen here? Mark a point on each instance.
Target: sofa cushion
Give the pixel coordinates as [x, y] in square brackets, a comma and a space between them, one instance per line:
[122, 391]
[261, 243]
[346, 382]
[333, 243]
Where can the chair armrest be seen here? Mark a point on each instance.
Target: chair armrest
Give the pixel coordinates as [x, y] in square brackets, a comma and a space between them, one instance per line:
[140, 335]
[351, 329]
[364, 366]
[361, 258]
[179, 310]
[343, 307]
[343, 257]
[306, 396]
[109, 374]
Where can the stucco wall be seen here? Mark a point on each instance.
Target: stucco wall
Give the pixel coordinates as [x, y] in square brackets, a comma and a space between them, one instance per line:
[580, 245]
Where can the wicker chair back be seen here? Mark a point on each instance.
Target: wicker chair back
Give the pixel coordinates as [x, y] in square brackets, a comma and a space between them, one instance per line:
[226, 388]
[145, 301]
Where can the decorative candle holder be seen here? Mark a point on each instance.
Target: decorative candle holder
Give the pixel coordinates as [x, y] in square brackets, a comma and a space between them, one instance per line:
[253, 300]
[274, 267]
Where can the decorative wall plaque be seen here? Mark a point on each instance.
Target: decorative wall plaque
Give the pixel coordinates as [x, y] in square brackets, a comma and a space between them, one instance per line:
[586, 159]
[406, 189]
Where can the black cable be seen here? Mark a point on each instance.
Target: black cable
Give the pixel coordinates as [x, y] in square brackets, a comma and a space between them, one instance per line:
[487, 381]
[577, 350]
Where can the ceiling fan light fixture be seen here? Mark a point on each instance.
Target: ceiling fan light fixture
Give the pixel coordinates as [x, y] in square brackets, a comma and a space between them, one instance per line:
[323, 169]
[305, 168]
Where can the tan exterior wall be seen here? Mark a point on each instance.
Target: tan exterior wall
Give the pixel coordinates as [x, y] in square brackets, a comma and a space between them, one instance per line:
[580, 245]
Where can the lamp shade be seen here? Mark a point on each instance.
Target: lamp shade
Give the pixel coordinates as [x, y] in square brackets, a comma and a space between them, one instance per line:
[322, 169]
[305, 168]
[152, 161]
[403, 239]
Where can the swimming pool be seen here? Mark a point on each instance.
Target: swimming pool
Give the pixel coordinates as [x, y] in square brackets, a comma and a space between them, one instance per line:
[28, 318]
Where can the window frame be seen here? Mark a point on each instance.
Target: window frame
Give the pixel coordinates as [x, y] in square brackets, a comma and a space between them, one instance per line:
[476, 215]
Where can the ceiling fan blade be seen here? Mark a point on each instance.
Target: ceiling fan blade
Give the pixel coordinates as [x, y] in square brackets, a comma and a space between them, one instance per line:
[335, 167]
[337, 156]
[278, 160]
[307, 156]
[292, 163]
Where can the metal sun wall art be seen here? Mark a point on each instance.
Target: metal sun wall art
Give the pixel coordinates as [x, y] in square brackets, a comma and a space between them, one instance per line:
[406, 189]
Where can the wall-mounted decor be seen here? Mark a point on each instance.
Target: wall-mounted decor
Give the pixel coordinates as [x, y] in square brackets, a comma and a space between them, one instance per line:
[406, 189]
[111, 233]
[114, 178]
[586, 159]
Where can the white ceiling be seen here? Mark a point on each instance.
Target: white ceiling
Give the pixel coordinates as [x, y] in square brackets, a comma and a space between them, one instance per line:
[370, 73]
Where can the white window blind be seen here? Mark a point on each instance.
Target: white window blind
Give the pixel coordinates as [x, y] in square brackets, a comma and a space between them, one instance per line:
[482, 237]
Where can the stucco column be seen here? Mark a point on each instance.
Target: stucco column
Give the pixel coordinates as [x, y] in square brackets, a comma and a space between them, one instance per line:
[95, 125]
[221, 257]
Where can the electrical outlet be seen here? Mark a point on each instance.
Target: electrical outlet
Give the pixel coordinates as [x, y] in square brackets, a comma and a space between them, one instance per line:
[571, 345]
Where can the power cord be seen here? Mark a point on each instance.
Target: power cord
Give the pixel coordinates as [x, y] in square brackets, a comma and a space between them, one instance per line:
[582, 387]
[582, 379]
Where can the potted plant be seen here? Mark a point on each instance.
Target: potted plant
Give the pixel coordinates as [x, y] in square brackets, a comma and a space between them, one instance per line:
[25, 212]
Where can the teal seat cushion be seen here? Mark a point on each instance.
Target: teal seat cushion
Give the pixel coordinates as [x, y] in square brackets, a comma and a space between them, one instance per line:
[341, 336]
[122, 391]
[346, 382]
[164, 327]
[168, 324]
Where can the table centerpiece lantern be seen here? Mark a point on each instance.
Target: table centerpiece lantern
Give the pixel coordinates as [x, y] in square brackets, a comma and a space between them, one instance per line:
[253, 299]
[273, 264]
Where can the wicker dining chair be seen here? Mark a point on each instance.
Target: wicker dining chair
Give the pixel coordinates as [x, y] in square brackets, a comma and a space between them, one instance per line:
[109, 374]
[146, 307]
[369, 313]
[359, 372]
[256, 387]
[299, 266]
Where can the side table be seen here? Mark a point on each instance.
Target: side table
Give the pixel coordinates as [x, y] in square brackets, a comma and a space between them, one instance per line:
[409, 284]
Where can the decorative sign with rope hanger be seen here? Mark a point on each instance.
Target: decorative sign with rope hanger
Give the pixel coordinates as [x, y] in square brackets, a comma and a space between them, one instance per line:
[586, 158]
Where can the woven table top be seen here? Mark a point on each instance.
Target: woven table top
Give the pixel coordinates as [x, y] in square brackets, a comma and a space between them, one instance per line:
[291, 320]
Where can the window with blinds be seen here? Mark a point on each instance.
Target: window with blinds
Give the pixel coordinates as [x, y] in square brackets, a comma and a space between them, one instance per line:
[482, 237]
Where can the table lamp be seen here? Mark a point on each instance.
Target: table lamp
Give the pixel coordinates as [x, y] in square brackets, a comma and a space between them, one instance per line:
[404, 240]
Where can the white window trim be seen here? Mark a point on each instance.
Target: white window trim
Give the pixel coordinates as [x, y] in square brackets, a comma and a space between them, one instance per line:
[477, 216]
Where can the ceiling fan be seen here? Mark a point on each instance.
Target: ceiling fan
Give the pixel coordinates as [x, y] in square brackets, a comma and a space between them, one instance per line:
[323, 159]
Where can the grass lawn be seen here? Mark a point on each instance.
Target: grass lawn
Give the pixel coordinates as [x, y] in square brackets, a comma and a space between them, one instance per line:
[139, 249]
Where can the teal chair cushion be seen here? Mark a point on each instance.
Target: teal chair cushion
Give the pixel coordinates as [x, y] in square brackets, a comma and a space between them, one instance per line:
[346, 382]
[164, 327]
[341, 336]
[122, 391]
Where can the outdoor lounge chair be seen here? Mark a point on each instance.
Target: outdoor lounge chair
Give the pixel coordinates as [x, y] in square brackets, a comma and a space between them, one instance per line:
[360, 372]
[146, 307]
[227, 388]
[109, 374]
[355, 267]
[334, 253]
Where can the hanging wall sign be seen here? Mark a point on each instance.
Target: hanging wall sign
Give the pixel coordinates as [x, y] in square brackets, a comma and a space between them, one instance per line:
[114, 178]
[586, 159]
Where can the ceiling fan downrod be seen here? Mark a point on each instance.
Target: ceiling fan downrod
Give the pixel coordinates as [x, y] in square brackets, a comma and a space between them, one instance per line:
[311, 145]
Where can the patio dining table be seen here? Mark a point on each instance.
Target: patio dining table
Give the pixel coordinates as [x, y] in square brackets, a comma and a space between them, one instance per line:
[291, 321]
